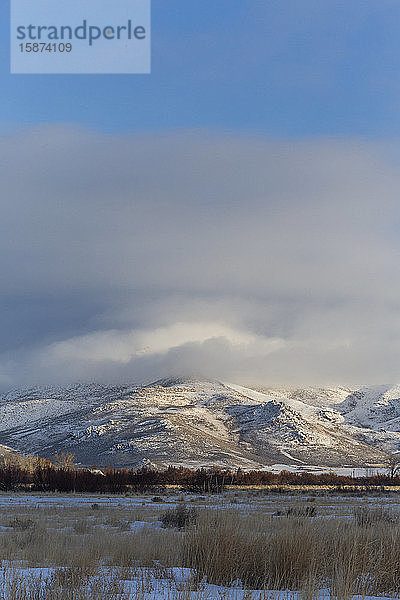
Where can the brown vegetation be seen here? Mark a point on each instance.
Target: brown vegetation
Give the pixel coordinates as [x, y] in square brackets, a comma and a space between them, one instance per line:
[31, 473]
[294, 551]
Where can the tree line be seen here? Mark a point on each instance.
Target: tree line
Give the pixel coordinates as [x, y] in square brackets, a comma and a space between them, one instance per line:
[45, 476]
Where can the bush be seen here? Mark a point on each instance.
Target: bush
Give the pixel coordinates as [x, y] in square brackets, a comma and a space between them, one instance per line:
[21, 524]
[367, 517]
[297, 512]
[179, 517]
[82, 527]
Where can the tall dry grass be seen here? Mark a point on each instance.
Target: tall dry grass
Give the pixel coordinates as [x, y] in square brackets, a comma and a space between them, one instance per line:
[296, 553]
[62, 584]
[85, 538]
[291, 550]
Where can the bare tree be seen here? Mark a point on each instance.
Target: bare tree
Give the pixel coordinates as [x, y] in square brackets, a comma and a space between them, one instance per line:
[393, 465]
[64, 460]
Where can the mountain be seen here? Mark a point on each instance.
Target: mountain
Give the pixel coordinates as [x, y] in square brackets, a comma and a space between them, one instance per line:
[200, 423]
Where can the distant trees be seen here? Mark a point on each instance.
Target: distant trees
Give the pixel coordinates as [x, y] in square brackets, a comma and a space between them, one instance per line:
[10, 459]
[33, 473]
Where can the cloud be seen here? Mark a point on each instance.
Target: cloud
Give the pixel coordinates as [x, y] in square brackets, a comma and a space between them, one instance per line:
[124, 346]
[137, 256]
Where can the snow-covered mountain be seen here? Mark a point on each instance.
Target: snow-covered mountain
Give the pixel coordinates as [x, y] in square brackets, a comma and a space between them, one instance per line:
[192, 422]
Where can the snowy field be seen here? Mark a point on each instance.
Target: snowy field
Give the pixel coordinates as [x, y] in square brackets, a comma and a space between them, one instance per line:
[144, 585]
[269, 503]
[126, 547]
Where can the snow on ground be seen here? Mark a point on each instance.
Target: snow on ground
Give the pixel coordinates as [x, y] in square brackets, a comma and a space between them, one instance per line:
[140, 525]
[177, 583]
[346, 471]
[31, 411]
[305, 410]
[13, 500]
[245, 501]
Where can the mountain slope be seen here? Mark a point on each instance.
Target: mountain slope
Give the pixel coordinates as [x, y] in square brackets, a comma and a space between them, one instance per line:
[183, 421]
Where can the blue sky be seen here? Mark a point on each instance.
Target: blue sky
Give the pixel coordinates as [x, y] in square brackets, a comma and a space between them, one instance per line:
[235, 214]
[282, 68]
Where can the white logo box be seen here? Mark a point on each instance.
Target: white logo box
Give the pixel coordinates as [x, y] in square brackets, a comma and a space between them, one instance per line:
[80, 36]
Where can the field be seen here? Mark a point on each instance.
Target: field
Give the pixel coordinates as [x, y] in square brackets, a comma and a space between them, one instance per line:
[241, 545]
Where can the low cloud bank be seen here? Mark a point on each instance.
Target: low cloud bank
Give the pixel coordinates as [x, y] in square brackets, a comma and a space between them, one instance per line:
[136, 257]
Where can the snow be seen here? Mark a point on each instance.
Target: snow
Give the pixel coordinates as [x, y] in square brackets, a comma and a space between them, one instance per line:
[23, 413]
[203, 423]
[150, 586]
[140, 525]
[346, 471]
[73, 500]
[156, 582]
[305, 410]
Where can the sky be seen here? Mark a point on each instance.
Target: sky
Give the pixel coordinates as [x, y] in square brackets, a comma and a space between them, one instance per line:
[233, 215]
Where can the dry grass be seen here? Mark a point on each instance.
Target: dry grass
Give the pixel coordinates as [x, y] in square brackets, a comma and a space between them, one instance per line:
[296, 553]
[62, 584]
[92, 548]
[86, 538]
[294, 547]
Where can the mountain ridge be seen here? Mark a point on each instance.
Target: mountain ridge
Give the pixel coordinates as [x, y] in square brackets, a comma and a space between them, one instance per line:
[187, 421]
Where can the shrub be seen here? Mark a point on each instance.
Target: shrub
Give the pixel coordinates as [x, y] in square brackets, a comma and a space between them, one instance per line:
[179, 517]
[82, 527]
[21, 523]
[367, 517]
[297, 512]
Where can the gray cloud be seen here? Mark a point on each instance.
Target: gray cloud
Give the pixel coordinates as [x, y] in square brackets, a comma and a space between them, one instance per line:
[134, 257]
